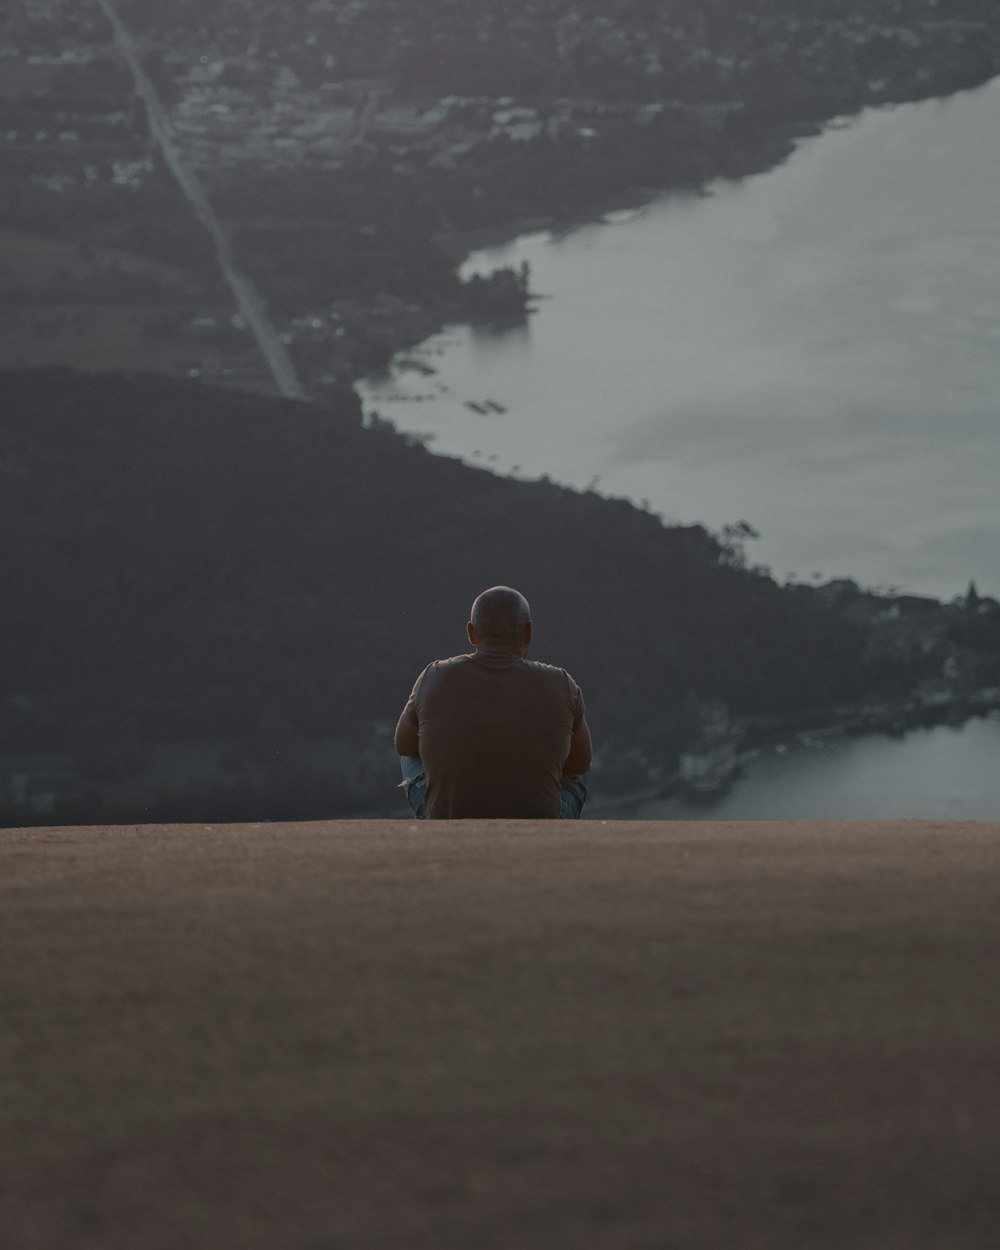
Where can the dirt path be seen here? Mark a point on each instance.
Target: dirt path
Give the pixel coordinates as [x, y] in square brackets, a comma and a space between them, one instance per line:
[489, 1036]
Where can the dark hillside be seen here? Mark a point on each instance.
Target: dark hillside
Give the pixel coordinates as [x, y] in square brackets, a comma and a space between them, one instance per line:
[184, 563]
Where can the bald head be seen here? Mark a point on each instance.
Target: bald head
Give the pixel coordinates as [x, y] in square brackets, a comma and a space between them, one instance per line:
[501, 618]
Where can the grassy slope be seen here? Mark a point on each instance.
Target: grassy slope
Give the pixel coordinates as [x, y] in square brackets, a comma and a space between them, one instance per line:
[617, 1036]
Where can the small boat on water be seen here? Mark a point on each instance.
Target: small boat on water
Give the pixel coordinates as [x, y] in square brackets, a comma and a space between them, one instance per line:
[474, 407]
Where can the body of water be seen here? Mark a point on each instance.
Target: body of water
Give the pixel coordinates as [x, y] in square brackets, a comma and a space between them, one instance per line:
[946, 772]
[815, 350]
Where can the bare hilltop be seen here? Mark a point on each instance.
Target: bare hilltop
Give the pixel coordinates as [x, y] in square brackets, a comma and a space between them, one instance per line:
[614, 1036]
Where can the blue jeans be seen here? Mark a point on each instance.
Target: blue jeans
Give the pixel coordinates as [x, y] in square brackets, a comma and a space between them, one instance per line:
[572, 792]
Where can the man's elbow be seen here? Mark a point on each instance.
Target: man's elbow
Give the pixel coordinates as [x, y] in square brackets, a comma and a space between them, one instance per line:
[580, 751]
[407, 738]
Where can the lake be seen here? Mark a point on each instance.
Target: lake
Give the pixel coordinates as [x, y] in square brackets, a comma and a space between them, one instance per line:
[945, 772]
[815, 350]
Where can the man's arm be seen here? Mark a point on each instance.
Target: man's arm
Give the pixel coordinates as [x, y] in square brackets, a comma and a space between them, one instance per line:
[407, 737]
[580, 750]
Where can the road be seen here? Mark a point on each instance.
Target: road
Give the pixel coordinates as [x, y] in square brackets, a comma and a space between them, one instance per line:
[248, 299]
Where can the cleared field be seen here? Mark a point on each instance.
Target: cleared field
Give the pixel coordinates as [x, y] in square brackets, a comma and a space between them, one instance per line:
[100, 328]
[619, 1036]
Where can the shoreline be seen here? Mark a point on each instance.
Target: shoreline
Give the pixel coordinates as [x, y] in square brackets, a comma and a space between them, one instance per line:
[899, 723]
[760, 154]
[772, 151]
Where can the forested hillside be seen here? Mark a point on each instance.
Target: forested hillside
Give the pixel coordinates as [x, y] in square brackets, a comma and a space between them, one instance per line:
[188, 564]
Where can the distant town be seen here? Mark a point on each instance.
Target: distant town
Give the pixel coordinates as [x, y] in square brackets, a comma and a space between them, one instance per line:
[353, 149]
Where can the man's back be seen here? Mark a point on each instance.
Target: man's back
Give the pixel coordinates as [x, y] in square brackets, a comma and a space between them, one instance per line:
[494, 731]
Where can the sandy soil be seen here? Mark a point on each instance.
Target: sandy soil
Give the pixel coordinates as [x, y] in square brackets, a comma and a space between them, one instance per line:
[365, 1035]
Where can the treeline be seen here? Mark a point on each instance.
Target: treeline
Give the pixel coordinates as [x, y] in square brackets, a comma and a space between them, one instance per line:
[188, 563]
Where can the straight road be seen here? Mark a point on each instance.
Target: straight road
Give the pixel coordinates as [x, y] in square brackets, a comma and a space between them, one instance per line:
[248, 299]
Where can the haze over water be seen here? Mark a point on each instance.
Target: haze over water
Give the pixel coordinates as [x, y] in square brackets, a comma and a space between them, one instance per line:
[815, 349]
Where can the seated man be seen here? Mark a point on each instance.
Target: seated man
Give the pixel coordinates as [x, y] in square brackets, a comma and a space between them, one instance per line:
[491, 733]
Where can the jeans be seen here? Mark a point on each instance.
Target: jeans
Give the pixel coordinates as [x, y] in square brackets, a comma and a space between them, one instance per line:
[572, 792]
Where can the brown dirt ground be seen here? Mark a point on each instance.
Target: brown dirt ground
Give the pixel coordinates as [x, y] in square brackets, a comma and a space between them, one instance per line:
[369, 1035]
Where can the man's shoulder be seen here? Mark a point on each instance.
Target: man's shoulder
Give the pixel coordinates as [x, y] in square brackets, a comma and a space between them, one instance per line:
[559, 681]
[444, 669]
[449, 664]
[553, 671]
[472, 659]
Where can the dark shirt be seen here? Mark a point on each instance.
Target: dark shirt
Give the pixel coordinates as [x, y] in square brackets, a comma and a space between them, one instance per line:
[494, 730]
